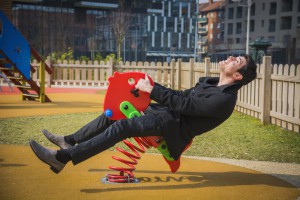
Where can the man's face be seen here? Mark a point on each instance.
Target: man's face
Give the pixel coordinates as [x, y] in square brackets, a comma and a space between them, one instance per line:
[232, 64]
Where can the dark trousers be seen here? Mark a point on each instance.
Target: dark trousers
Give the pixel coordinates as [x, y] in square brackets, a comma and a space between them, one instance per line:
[103, 133]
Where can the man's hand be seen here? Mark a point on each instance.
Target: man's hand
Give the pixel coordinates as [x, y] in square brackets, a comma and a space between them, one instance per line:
[144, 85]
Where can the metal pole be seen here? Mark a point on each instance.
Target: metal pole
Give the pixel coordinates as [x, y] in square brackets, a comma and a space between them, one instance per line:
[136, 46]
[196, 32]
[248, 26]
[124, 48]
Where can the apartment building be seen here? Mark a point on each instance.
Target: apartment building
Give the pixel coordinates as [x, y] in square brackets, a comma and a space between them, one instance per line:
[210, 27]
[275, 21]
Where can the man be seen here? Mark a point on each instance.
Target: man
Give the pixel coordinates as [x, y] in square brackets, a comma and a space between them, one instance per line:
[178, 116]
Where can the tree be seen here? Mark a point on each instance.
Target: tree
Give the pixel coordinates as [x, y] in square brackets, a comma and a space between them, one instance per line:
[120, 22]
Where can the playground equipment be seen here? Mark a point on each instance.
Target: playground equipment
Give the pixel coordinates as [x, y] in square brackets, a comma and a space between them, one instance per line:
[122, 100]
[15, 54]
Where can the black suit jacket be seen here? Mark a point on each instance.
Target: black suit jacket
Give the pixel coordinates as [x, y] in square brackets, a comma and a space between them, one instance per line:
[186, 114]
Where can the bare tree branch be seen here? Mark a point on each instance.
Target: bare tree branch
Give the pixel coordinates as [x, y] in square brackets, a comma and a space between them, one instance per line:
[120, 21]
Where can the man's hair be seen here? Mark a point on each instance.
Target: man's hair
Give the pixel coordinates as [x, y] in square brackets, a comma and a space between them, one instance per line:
[248, 71]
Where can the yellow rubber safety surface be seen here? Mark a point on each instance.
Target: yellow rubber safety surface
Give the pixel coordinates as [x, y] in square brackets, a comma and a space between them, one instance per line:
[13, 106]
[23, 176]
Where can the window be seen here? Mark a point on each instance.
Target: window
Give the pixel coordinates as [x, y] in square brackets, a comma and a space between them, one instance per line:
[184, 9]
[230, 29]
[237, 40]
[80, 16]
[262, 23]
[252, 25]
[239, 13]
[287, 5]
[252, 9]
[211, 26]
[286, 38]
[230, 13]
[272, 25]
[286, 23]
[238, 28]
[211, 14]
[271, 38]
[273, 8]
[263, 6]
[229, 40]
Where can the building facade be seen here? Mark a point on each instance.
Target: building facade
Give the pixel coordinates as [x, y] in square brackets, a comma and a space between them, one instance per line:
[159, 29]
[275, 21]
[210, 28]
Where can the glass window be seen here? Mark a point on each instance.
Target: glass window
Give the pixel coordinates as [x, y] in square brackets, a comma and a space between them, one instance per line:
[262, 23]
[230, 29]
[238, 28]
[252, 25]
[239, 12]
[273, 8]
[230, 13]
[252, 9]
[272, 25]
[286, 23]
[287, 5]
[286, 38]
[237, 40]
[184, 9]
[263, 6]
[271, 38]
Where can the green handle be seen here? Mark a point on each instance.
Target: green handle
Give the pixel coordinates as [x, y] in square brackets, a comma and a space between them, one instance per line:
[129, 111]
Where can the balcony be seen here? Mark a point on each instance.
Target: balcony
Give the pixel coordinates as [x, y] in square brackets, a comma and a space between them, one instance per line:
[202, 30]
[202, 20]
[202, 41]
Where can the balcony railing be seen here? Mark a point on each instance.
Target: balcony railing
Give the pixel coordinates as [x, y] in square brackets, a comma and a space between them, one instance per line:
[202, 30]
[202, 20]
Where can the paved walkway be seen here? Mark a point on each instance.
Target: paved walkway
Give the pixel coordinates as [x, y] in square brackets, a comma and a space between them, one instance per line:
[23, 176]
[288, 172]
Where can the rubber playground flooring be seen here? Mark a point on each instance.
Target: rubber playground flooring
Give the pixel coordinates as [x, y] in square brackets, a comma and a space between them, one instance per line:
[23, 176]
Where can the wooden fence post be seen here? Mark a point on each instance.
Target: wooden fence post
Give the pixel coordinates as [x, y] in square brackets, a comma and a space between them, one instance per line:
[266, 69]
[207, 66]
[172, 74]
[179, 74]
[110, 69]
[191, 75]
[49, 76]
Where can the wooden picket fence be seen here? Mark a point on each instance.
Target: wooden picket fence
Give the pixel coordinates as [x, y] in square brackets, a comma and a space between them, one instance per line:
[274, 97]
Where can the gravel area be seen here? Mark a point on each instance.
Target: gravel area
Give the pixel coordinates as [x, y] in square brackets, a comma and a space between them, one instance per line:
[288, 172]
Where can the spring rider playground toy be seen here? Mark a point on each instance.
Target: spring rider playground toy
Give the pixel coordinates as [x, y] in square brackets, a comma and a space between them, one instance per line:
[122, 101]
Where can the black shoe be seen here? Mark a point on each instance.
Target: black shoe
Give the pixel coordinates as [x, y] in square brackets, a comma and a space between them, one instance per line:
[47, 156]
[56, 139]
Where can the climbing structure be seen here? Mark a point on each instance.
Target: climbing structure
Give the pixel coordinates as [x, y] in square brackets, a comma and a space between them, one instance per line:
[15, 53]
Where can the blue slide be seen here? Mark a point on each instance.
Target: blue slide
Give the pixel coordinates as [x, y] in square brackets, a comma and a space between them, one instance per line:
[14, 46]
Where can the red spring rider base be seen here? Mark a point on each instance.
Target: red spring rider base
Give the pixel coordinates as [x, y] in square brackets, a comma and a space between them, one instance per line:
[122, 100]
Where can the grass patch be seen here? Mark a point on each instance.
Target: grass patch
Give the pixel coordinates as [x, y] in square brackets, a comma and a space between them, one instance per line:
[240, 137]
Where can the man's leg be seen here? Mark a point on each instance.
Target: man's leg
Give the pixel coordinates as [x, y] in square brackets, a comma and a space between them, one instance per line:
[88, 131]
[146, 125]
